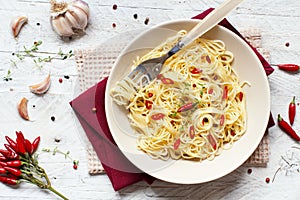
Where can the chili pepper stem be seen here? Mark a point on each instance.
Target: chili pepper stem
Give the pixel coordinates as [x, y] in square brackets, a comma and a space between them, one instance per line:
[57, 193]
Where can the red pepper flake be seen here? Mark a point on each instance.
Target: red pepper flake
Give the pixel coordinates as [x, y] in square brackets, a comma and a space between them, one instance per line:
[232, 133]
[157, 116]
[60, 80]
[241, 96]
[210, 91]
[148, 104]
[135, 16]
[267, 180]
[52, 118]
[115, 6]
[176, 144]
[196, 70]
[249, 171]
[114, 25]
[150, 94]
[186, 107]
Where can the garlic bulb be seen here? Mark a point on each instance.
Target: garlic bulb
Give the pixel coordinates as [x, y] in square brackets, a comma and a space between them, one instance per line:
[66, 18]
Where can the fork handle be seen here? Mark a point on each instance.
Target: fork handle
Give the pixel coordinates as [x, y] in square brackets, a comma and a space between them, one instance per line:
[210, 21]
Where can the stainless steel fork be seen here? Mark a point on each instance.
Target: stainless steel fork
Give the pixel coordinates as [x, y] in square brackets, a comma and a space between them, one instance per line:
[148, 70]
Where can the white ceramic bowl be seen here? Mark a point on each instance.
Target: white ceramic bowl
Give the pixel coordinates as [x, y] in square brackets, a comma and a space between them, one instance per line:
[248, 67]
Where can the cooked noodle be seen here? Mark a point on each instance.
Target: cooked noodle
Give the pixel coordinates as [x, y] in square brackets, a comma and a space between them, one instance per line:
[194, 109]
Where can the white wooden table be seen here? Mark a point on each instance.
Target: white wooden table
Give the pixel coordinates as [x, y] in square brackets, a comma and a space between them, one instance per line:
[278, 21]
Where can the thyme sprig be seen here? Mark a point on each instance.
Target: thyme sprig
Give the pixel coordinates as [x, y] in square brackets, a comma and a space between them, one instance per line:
[39, 61]
[66, 155]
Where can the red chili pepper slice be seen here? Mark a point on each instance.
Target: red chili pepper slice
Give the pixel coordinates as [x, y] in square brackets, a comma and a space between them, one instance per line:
[196, 71]
[160, 76]
[13, 171]
[186, 107]
[208, 59]
[148, 104]
[157, 116]
[225, 92]
[35, 144]
[289, 67]
[167, 81]
[176, 144]
[210, 91]
[9, 181]
[212, 141]
[292, 111]
[192, 132]
[222, 120]
[287, 128]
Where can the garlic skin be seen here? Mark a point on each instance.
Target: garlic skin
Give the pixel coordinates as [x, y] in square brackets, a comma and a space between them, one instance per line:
[17, 24]
[22, 108]
[67, 18]
[42, 87]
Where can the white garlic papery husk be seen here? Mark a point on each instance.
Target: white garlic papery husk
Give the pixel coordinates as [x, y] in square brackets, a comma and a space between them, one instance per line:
[66, 18]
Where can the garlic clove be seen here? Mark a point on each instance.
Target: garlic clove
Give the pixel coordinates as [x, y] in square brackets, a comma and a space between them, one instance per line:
[17, 23]
[77, 18]
[41, 87]
[22, 108]
[62, 26]
[82, 5]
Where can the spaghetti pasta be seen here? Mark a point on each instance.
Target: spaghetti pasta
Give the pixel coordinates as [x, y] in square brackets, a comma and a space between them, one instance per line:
[194, 109]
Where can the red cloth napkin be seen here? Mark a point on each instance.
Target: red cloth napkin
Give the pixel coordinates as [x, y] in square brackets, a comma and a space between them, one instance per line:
[90, 110]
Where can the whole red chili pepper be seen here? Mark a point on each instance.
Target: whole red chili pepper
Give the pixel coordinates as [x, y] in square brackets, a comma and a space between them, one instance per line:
[292, 111]
[3, 164]
[8, 147]
[287, 128]
[186, 107]
[2, 170]
[21, 146]
[9, 155]
[9, 181]
[35, 144]
[2, 158]
[13, 171]
[14, 163]
[289, 67]
[11, 143]
[28, 146]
